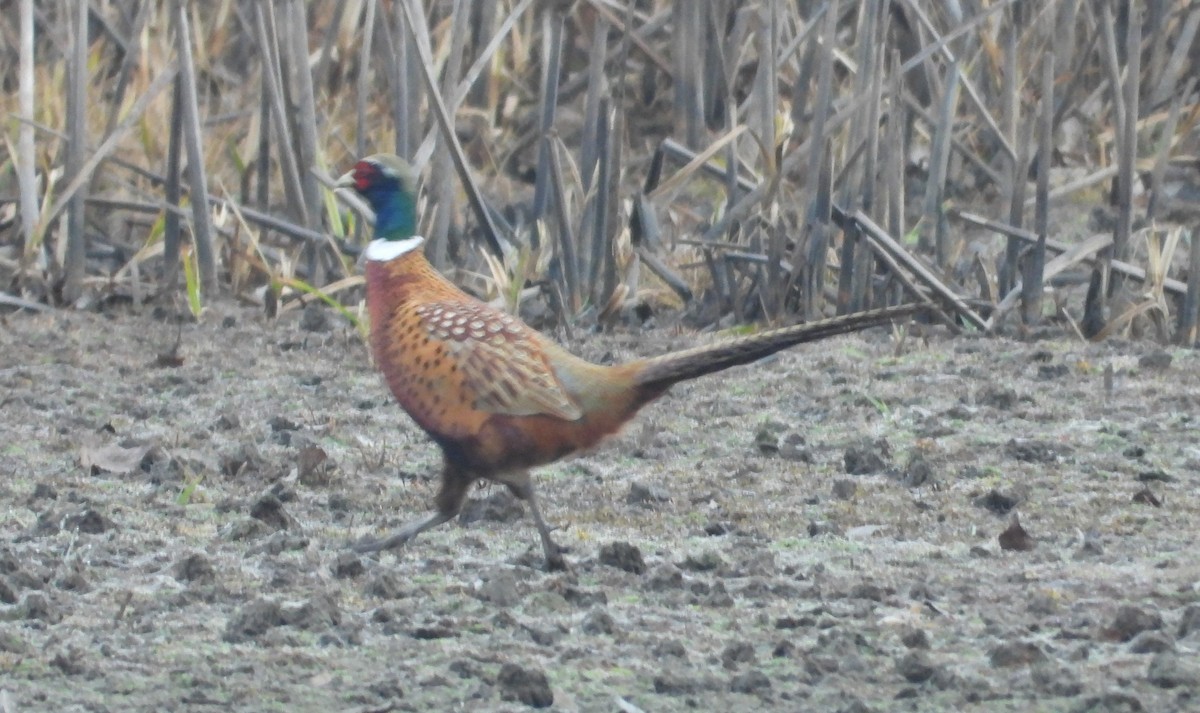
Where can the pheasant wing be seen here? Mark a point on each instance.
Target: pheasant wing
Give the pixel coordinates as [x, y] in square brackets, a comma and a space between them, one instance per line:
[501, 361]
[513, 378]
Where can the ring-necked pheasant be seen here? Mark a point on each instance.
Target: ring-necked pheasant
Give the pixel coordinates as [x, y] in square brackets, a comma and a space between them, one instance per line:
[496, 395]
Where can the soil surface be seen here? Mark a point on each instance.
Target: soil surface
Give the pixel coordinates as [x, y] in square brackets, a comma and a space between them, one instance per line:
[832, 529]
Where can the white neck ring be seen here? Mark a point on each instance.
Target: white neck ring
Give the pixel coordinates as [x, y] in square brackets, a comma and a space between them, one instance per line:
[380, 250]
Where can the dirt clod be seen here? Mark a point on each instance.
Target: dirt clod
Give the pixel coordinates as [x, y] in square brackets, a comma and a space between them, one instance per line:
[430, 632]
[1015, 653]
[718, 529]
[753, 682]
[313, 467]
[646, 495]
[500, 589]
[1151, 642]
[671, 648]
[89, 521]
[1168, 669]
[1130, 621]
[997, 397]
[598, 621]
[43, 491]
[1145, 496]
[8, 595]
[915, 638]
[385, 584]
[240, 460]
[1030, 450]
[283, 423]
[1050, 372]
[1054, 678]
[280, 542]
[623, 556]
[676, 683]
[36, 605]
[766, 438]
[585, 598]
[867, 457]
[1189, 623]
[317, 613]
[998, 502]
[315, 318]
[268, 510]
[663, 577]
[737, 654]
[793, 622]
[196, 568]
[844, 489]
[1155, 475]
[818, 528]
[348, 565]
[526, 685]
[915, 667]
[1159, 360]
[253, 620]
[70, 662]
[919, 471]
[1016, 538]
[1111, 702]
[793, 447]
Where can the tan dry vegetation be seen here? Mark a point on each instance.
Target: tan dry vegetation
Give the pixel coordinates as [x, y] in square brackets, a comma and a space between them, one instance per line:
[691, 73]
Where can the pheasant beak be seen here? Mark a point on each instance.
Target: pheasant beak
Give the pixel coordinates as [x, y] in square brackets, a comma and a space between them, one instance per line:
[347, 180]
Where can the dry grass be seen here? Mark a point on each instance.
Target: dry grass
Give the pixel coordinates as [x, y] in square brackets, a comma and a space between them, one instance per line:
[578, 142]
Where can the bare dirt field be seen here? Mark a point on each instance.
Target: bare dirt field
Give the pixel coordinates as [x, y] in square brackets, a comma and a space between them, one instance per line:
[820, 531]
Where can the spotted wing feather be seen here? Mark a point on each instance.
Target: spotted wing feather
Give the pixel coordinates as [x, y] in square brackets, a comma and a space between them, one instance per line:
[500, 360]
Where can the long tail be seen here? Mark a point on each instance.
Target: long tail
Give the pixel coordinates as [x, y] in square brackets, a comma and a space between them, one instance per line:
[661, 372]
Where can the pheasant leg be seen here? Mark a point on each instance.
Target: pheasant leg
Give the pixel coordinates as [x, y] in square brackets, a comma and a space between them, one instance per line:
[403, 535]
[455, 483]
[524, 491]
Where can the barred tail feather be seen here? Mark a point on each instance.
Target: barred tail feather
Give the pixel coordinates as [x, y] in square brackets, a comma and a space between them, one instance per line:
[661, 372]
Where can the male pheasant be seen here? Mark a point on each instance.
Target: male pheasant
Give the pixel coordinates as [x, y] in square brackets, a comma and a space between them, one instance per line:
[496, 395]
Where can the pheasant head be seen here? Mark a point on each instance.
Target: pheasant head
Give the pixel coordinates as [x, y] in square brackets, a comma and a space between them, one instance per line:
[389, 185]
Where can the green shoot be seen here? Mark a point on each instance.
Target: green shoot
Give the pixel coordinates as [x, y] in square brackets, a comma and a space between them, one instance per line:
[191, 276]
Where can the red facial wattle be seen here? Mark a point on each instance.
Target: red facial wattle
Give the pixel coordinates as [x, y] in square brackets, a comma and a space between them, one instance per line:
[365, 174]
